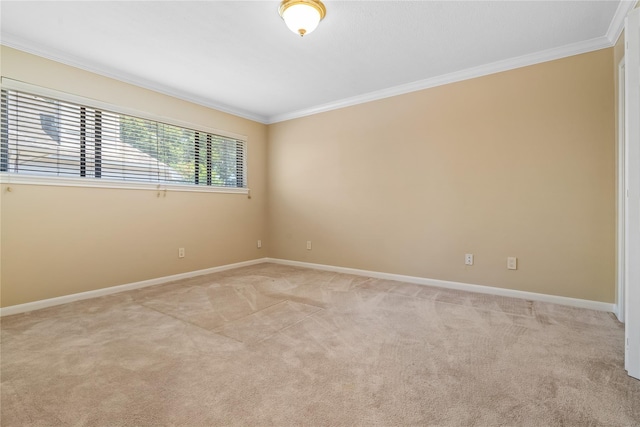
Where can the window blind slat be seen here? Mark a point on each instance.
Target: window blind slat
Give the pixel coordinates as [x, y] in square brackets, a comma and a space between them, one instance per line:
[43, 136]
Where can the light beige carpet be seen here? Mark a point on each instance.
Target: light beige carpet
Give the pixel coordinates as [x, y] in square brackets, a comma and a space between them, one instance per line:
[271, 345]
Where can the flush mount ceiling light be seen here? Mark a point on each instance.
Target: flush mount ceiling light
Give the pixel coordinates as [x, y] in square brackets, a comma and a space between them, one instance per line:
[302, 16]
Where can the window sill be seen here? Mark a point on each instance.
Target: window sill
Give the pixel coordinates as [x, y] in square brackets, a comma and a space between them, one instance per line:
[56, 181]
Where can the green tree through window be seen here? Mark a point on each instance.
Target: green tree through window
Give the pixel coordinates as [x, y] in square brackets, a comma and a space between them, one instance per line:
[198, 157]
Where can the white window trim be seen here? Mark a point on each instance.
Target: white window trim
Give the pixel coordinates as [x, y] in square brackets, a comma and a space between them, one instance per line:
[13, 178]
[7, 178]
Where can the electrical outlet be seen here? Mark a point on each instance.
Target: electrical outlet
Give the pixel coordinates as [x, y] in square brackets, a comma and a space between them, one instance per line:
[259, 244]
[308, 245]
[512, 263]
[468, 259]
[180, 252]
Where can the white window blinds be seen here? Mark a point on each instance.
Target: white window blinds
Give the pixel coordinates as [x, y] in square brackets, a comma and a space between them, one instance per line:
[43, 136]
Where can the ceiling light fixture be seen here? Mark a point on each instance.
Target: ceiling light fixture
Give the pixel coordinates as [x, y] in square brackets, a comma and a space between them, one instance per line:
[302, 16]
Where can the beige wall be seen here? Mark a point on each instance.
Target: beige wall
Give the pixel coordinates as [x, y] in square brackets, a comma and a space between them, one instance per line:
[61, 240]
[519, 163]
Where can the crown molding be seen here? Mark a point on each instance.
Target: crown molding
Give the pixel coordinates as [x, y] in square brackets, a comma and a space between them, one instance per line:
[613, 33]
[457, 76]
[617, 23]
[12, 41]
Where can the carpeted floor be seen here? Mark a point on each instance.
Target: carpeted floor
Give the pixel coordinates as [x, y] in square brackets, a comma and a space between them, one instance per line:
[272, 345]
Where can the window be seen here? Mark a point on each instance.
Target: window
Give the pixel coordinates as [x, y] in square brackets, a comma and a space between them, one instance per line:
[51, 137]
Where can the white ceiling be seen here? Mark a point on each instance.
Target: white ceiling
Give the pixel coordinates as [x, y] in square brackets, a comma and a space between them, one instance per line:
[239, 57]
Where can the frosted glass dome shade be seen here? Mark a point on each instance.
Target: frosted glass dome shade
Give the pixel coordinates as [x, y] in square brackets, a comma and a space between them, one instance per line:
[302, 17]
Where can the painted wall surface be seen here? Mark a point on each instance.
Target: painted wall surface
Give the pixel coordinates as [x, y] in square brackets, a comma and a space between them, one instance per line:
[61, 240]
[519, 163]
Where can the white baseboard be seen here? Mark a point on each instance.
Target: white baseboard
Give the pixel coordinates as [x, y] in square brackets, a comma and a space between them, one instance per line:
[37, 305]
[616, 311]
[573, 302]
[532, 296]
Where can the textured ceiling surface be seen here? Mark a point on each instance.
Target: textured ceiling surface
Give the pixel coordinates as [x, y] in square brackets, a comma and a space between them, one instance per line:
[239, 57]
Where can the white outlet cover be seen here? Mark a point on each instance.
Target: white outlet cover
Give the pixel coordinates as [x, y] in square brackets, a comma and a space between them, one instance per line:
[468, 259]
